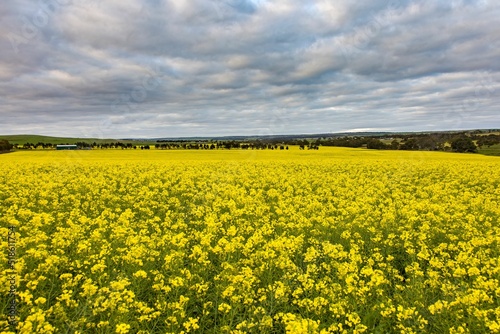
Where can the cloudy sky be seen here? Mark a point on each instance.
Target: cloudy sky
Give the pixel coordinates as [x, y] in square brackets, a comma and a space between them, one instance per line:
[167, 68]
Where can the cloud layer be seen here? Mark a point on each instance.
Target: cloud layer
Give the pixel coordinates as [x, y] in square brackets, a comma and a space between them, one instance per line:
[161, 68]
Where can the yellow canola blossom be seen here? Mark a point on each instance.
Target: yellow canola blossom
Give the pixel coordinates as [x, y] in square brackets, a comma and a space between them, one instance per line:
[330, 241]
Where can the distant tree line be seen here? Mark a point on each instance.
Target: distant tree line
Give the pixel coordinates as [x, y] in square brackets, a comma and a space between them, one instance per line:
[225, 145]
[458, 141]
[487, 140]
[81, 145]
[445, 141]
[163, 145]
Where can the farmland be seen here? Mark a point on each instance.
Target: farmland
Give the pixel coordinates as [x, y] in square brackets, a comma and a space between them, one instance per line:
[244, 241]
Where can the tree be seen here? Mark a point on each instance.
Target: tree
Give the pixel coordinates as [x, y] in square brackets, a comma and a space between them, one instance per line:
[375, 144]
[428, 143]
[5, 146]
[463, 145]
[410, 144]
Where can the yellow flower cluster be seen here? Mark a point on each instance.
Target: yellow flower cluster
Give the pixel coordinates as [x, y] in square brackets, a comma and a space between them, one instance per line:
[331, 241]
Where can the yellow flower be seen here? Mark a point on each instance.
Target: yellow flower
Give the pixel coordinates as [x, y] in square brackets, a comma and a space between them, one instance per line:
[40, 301]
[141, 273]
[122, 328]
[224, 308]
[191, 325]
[308, 241]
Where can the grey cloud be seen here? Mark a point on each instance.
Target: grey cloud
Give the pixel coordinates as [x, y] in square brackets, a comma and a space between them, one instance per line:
[171, 68]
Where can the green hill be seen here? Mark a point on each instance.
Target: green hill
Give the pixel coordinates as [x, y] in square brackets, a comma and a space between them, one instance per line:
[35, 139]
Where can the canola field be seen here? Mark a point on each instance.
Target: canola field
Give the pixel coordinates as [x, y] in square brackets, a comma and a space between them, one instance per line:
[330, 241]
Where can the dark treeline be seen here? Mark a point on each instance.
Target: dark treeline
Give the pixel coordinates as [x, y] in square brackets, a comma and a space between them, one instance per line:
[226, 145]
[488, 140]
[456, 141]
[81, 145]
[441, 141]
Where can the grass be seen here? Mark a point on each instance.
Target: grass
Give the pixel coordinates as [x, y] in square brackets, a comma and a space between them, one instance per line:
[494, 150]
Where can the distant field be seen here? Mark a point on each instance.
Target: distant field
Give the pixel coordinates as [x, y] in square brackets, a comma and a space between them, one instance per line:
[34, 139]
[22, 139]
[250, 241]
[494, 150]
[489, 133]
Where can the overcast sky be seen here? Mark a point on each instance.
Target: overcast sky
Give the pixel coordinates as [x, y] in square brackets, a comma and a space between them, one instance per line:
[168, 68]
